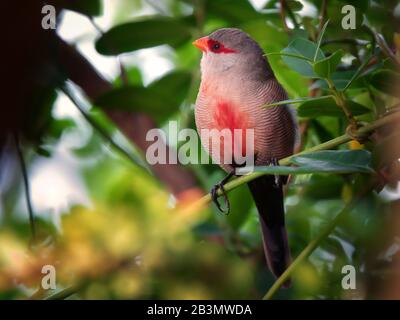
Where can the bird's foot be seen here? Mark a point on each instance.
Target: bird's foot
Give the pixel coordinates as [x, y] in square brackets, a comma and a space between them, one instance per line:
[214, 194]
[214, 197]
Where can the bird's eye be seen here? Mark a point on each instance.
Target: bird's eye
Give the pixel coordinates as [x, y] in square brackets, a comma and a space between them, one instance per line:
[216, 46]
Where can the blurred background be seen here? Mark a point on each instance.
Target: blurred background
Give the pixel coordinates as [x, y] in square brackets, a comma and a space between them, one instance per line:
[76, 191]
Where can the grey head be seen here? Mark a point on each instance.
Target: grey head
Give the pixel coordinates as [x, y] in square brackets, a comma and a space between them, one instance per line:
[232, 52]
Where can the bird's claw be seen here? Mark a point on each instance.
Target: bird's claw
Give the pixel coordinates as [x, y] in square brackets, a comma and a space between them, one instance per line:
[214, 197]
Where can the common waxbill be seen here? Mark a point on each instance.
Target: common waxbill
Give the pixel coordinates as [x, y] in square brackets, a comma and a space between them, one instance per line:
[236, 81]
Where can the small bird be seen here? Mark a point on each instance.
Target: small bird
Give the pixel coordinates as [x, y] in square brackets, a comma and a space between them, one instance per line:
[236, 81]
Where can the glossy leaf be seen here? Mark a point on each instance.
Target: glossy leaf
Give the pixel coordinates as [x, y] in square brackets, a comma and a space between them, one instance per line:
[323, 186]
[321, 131]
[161, 99]
[86, 7]
[329, 161]
[146, 33]
[174, 84]
[295, 5]
[306, 49]
[297, 100]
[328, 107]
[353, 160]
[234, 11]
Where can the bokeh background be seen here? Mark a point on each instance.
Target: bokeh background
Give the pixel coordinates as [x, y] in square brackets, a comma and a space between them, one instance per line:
[72, 142]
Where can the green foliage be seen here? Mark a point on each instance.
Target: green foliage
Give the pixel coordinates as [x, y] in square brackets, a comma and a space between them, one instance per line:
[155, 100]
[150, 32]
[232, 11]
[86, 7]
[301, 55]
[344, 161]
[338, 80]
[315, 108]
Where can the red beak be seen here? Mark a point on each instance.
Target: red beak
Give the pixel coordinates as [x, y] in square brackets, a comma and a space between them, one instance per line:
[202, 44]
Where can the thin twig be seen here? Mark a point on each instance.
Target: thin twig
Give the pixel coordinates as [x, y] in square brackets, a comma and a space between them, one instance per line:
[380, 40]
[340, 100]
[199, 15]
[123, 73]
[383, 45]
[282, 14]
[63, 294]
[129, 263]
[26, 186]
[96, 26]
[322, 16]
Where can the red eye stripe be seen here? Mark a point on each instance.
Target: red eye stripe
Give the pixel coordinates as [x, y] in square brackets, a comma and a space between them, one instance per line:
[217, 47]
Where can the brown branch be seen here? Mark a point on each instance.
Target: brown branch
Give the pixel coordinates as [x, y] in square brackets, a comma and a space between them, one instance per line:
[322, 16]
[282, 14]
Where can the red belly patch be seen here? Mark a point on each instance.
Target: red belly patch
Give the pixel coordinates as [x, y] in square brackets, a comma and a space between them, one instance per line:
[228, 116]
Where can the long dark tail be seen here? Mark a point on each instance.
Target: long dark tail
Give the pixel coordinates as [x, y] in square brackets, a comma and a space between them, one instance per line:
[269, 202]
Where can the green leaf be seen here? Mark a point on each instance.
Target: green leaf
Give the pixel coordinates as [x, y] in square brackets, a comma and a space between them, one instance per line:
[58, 126]
[43, 151]
[91, 148]
[271, 4]
[328, 161]
[147, 33]
[176, 82]
[386, 81]
[336, 160]
[295, 5]
[305, 48]
[297, 100]
[237, 11]
[329, 108]
[86, 7]
[133, 76]
[325, 67]
[286, 54]
[133, 98]
[161, 99]
[321, 131]
[323, 187]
